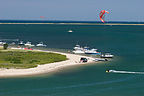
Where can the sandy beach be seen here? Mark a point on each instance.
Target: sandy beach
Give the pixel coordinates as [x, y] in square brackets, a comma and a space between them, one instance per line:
[46, 68]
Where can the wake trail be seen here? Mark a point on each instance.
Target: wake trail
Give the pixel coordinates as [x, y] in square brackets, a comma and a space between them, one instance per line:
[125, 72]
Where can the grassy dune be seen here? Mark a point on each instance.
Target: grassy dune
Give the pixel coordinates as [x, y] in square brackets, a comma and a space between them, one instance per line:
[27, 59]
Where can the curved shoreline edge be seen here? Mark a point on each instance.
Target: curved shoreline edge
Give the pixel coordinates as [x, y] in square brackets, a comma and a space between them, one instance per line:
[46, 68]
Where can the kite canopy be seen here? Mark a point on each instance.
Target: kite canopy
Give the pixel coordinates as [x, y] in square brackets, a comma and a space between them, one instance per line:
[101, 15]
[42, 17]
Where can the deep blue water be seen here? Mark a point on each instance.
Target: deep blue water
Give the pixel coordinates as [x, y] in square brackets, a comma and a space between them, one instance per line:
[125, 42]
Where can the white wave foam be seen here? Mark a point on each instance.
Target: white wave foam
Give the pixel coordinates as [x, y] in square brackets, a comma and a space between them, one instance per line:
[127, 72]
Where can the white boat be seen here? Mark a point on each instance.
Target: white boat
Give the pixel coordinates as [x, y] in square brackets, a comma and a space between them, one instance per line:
[1, 43]
[92, 51]
[29, 44]
[21, 43]
[70, 31]
[86, 48]
[41, 45]
[110, 70]
[107, 55]
[13, 43]
[100, 59]
[78, 49]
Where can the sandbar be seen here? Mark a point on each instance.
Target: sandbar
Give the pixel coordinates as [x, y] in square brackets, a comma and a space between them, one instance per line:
[73, 59]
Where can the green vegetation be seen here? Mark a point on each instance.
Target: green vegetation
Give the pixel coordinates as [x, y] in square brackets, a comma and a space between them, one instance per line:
[5, 46]
[27, 59]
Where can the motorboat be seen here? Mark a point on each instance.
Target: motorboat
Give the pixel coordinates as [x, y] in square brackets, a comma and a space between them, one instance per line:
[1, 43]
[21, 43]
[41, 45]
[107, 55]
[70, 31]
[92, 51]
[13, 43]
[100, 59]
[78, 49]
[86, 48]
[29, 44]
[110, 71]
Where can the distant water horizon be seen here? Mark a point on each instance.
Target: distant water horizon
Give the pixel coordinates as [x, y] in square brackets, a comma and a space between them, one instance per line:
[67, 21]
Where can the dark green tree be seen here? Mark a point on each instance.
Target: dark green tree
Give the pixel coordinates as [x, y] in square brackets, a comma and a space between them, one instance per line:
[5, 46]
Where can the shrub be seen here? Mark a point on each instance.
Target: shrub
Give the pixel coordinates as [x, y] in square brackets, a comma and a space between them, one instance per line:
[27, 59]
[5, 46]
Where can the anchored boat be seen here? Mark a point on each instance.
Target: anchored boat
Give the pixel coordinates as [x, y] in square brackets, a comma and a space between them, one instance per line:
[107, 55]
[21, 43]
[92, 51]
[29, 44]
[70, 31]
[41, 45]
[78, 49]
[86, 50]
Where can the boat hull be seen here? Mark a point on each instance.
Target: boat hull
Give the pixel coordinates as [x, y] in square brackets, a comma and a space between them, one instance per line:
[94, 53]
[78, 52]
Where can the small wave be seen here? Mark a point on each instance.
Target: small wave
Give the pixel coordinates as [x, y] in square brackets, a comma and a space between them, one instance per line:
[125, 72]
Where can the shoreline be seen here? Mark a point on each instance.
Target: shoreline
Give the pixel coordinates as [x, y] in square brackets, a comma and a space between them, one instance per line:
[76, 23]
[73, 59]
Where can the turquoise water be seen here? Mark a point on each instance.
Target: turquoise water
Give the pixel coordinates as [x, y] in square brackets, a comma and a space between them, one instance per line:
[125, 42]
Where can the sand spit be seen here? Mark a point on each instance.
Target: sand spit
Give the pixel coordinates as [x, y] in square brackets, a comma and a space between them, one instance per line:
[46, 68]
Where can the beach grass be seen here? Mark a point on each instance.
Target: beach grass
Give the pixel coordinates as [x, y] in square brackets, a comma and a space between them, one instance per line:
[27, 59]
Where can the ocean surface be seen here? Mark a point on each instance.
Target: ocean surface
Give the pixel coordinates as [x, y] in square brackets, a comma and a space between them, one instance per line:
[124, 41]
